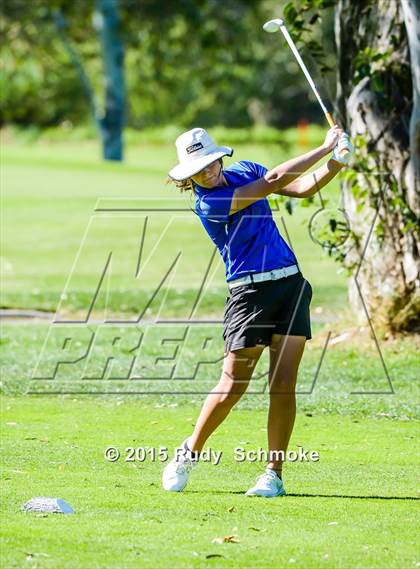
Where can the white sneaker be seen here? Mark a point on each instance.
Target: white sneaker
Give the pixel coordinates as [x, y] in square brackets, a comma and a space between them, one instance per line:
[268, 484]
[175, 474]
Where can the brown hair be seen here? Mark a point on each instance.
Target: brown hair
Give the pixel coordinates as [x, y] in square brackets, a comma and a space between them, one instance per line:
[182, 185]
[188, 184]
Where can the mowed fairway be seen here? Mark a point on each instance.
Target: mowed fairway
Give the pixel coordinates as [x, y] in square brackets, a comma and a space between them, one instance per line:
[353, 508]
[356, 507]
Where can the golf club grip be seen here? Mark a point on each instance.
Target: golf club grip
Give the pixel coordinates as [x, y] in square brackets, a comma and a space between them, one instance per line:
[330, 119]
[332, 123]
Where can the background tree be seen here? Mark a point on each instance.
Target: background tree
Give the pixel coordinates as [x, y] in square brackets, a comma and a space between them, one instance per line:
[49, 51]
[375, 93]
[190, 63]
[378, 103]
[106, 19]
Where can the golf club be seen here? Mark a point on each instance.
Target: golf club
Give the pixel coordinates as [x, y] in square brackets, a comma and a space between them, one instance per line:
[273, 26]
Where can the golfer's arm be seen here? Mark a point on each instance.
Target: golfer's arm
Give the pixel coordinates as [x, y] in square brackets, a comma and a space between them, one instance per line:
[275, 179]
[310, 184]
[282, 175]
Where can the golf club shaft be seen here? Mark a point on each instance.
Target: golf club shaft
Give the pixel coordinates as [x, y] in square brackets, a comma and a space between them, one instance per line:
[302, 65]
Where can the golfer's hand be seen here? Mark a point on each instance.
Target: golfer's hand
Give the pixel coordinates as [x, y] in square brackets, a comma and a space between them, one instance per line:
[343, 150]
[332, 138]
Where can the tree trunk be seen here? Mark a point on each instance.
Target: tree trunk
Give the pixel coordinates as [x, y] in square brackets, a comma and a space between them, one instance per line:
[378, 96]
[112, 122]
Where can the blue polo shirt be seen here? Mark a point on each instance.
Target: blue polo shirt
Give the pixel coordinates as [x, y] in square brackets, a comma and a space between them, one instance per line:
[249, 240]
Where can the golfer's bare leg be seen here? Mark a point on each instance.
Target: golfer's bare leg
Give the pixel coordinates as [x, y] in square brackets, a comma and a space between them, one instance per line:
[285, 356]
[238, 367]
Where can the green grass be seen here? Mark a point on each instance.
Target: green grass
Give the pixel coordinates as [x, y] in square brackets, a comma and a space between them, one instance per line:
[348, 367]
[353, 508]
[50, 190]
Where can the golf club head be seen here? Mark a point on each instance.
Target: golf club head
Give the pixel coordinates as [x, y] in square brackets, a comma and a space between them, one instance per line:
[273, 25]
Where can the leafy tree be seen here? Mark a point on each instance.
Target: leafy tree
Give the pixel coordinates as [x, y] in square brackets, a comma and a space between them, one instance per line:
[191, 62]
[378, 101]
[38, 82]
[44, 77]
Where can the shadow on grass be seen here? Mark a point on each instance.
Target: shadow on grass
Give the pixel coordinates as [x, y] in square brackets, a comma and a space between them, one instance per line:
[291, 495]
[354, 497]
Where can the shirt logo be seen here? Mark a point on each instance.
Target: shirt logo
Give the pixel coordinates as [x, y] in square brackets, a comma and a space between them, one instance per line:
[194, 147]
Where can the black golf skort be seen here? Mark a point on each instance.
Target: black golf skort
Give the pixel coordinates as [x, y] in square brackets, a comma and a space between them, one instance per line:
[256, 311]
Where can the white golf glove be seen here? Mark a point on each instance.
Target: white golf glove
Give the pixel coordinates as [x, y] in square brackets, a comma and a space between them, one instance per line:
[344, 142]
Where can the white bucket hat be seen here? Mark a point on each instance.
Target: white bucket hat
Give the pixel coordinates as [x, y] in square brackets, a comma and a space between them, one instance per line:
[196, 149]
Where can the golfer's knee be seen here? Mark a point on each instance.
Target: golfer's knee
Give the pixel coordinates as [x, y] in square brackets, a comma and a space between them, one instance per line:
[229, 399]
[285, 386]
[230, 393]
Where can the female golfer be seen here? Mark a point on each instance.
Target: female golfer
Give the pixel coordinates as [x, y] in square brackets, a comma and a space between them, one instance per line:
[269, 298]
